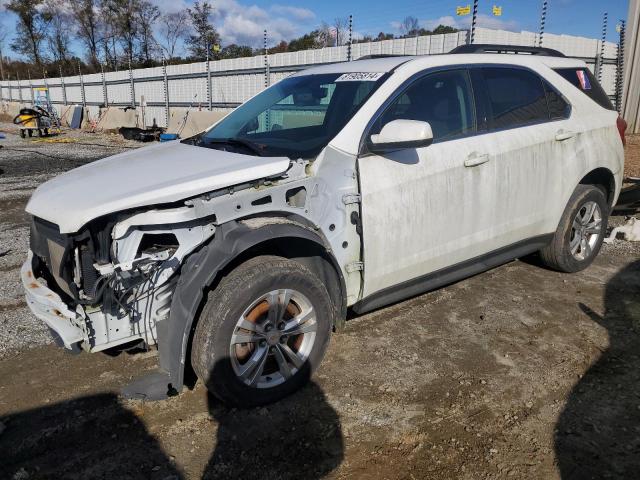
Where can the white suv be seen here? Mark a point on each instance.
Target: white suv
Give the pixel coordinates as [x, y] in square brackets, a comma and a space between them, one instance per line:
[236, 252]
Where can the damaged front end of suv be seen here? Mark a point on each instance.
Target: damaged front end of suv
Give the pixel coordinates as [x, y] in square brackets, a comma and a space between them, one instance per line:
[125, 251]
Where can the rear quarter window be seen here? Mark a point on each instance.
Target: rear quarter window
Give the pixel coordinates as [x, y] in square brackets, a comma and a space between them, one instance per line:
[584, 80]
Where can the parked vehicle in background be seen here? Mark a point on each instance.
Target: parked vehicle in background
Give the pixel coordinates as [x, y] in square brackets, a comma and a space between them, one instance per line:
[236, 252]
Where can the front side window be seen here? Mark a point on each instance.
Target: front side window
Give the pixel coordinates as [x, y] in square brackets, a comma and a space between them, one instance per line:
[515, 98]
[297, 117]
[443, 99]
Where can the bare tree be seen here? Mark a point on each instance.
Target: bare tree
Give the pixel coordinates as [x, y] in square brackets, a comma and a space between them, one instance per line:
[324, 36]
[3, 38]
[86, 14]
[172, 30]
[122, 17]
[410, 26]
[58, 37]
[147, 16]
[205, 34]
[31, 28]
[341, 26]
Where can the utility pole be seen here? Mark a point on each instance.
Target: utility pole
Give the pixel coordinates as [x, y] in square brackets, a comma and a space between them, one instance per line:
[474, 20]
[543, 20]
[602, 45]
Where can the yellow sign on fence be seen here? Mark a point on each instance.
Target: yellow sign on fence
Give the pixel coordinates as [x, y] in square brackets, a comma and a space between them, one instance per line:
[497, 11]
[460, 11]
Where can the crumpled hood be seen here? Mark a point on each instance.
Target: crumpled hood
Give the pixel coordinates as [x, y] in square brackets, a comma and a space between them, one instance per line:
[162, 173]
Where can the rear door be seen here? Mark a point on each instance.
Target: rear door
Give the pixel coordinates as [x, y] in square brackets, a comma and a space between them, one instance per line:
[531, 137]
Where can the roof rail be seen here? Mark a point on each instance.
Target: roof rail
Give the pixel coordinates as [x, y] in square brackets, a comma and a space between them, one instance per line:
[379, 55]
[516, 49]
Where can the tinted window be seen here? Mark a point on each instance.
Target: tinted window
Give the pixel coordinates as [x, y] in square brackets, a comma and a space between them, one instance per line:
[558, 107]
[583, 80]
[443, 99]
[516, 97]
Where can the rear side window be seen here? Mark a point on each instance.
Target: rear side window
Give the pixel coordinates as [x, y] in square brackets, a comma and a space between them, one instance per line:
[515, 98]
[583, 80]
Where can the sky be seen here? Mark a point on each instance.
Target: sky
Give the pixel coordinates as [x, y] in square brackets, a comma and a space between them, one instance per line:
[243, 21]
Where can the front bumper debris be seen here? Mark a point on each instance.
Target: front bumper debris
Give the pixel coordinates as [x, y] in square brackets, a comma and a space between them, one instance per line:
[49, 307]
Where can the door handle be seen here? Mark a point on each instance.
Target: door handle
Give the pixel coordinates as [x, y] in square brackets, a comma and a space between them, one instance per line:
[562, 135]
[476, 159]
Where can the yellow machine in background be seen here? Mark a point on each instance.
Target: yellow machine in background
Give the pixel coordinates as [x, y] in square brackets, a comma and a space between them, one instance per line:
[31, 120]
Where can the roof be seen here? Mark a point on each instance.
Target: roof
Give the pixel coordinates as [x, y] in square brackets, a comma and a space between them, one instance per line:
[383, 64]
[389, 63]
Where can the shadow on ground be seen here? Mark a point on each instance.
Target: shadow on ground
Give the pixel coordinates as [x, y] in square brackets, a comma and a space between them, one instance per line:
[89, 437]
[598, 433]
[96, 437]
[296, 438]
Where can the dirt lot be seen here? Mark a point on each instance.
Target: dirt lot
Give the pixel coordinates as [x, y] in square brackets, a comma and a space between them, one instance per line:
[516, 373]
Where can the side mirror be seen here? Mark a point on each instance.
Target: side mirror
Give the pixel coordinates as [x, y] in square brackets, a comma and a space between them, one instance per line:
[401, 134]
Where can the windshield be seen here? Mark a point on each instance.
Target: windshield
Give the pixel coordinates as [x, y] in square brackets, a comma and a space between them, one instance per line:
[296, 117]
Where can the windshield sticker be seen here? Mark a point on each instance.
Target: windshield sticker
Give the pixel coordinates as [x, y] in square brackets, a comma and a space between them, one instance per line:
[360, 77]
[584, 80]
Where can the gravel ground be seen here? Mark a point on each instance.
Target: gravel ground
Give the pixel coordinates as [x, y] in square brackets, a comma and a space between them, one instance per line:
[516, 373]
[25, 164]
[632, 156]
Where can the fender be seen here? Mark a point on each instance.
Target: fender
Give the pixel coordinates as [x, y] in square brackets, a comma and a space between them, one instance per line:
[200, 271]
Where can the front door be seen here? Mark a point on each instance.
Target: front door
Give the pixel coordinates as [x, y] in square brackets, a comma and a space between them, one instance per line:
[428, 208]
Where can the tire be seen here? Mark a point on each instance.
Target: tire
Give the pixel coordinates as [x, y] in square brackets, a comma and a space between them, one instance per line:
[22, 133]
[567, 252]
[248, 293]
[30, 132]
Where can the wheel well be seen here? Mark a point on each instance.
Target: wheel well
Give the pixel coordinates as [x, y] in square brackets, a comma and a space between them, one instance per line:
[602, 177]
[311, 254]
[233, 243]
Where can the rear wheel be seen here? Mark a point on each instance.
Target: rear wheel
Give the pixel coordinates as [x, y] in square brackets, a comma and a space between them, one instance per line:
[262, 332]
[579, 236]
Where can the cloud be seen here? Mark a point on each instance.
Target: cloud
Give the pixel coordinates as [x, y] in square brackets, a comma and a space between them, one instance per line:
[296, 12]
[242, 24]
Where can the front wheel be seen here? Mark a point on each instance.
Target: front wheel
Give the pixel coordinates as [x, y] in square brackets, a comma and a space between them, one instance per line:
[262, 331]
[581, 232]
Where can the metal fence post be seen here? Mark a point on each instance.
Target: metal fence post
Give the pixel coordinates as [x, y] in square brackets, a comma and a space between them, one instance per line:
[105, 93]
[82, 93]
[543, 20]
[620, 66]
[19, 88]
[209, 98]
[350, 38]
[30, 87]
[166, 91]
[9, 84]
[266, 61]
[133, 91]
[44, 79]
[64, 88]
[474, 19]
[602, 46]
